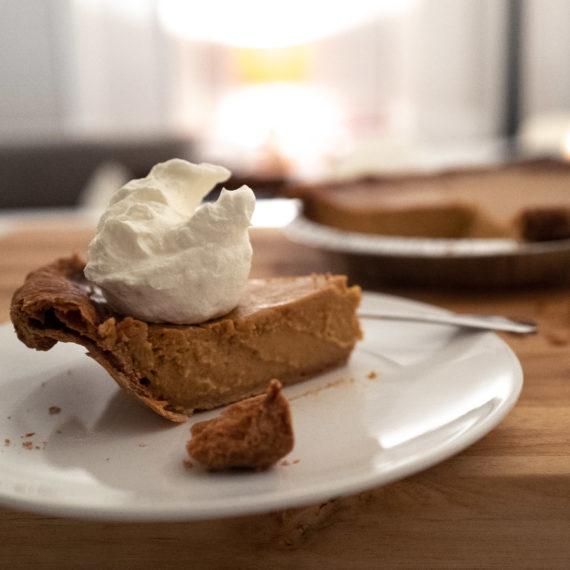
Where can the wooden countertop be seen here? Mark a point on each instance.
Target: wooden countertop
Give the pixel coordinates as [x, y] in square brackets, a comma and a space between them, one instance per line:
[502, 503]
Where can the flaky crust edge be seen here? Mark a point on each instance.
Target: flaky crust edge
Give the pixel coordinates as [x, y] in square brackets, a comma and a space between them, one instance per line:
[52, 307]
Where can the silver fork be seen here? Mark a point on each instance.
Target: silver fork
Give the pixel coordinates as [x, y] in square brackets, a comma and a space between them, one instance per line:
[485, 322]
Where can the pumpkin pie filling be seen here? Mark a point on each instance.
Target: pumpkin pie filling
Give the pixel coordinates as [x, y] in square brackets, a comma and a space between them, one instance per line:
[291, 328]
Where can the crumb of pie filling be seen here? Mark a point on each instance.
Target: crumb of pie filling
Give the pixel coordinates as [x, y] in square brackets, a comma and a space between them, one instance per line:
[252, 434]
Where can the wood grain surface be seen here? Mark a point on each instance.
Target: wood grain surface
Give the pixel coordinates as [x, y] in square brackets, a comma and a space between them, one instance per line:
[502, 503]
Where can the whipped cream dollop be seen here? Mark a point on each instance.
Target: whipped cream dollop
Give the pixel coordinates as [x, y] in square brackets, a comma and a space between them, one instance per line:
[161, 255]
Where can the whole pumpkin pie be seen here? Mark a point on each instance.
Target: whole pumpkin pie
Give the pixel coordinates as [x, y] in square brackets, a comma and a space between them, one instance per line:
[291, 328]
[528, 200]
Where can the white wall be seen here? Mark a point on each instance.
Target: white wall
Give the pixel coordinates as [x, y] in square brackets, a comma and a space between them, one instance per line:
[546, 68]
[30, 92]
[107, 68]
[114, 68]
[370, 71]
[458, 68]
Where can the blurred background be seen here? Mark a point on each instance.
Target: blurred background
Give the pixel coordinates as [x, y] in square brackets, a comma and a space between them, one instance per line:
[96, 91]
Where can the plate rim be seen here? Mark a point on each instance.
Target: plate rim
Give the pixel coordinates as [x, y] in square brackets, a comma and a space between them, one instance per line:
[307, 232]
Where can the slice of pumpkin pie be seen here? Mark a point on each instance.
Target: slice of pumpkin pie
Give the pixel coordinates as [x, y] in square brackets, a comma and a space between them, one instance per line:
[291, 328]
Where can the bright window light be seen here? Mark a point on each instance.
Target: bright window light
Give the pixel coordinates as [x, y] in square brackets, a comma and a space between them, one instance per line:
[263, 23]
[299, 122]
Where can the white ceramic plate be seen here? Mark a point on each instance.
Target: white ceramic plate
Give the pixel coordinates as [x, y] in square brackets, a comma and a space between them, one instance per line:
[412, 395]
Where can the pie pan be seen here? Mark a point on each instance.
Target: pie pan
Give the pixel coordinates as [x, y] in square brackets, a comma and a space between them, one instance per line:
[376, 260]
